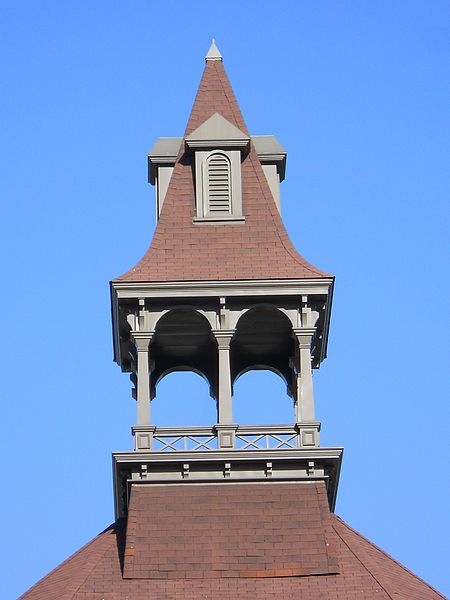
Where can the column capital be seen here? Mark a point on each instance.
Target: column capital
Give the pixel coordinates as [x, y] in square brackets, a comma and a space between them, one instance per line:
[223, 337]
[304, 335]
[304, 331]
[142, 339]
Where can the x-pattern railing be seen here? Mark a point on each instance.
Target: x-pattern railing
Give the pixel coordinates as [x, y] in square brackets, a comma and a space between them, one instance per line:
[184, 442]
[266, 441]
[205, 438]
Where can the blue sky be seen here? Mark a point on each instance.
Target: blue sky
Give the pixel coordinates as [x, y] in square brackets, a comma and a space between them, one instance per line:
[358, 93]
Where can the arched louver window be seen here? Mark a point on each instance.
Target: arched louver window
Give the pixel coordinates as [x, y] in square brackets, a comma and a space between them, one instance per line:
[218, 184]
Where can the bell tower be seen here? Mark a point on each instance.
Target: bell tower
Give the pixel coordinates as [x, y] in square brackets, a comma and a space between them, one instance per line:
[221, 291]
[225, 510]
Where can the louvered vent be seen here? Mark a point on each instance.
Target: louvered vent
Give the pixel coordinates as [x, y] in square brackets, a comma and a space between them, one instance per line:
[219, 184]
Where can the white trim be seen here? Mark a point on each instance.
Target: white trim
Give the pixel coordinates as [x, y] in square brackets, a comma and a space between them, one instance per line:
[206, 183]
[261, 288]
[245, 287]
[203, 215]
[216, 220]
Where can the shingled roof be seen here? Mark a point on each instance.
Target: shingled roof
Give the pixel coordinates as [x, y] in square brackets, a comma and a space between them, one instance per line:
[257, 249]
[209, 538]
[226, 541]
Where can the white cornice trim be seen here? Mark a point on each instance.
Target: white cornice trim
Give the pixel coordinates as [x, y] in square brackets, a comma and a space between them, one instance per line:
[214, 143]
[263, 288]
[318, 453]
[259, 287]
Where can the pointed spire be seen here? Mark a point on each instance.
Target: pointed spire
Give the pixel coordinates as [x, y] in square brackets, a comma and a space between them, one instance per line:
[175, 251]
[213, 52]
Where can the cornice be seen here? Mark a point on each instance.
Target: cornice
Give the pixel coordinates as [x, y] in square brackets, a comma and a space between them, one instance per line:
[225, 466]
[321, 453]
[278, 287]
[213, 143]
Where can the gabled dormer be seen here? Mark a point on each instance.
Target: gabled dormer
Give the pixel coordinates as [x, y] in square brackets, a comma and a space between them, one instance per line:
[217, 148]
[162, 158]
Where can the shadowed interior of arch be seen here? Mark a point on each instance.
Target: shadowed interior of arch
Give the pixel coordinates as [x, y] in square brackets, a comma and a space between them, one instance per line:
[260, 398]
[183, 399]
[264, 340]
[183, 342]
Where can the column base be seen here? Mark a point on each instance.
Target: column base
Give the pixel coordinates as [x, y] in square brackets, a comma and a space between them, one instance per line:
[226, 436]
[143, 436]
[308, 432]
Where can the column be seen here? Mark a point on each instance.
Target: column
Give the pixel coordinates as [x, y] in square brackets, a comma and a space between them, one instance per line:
[224, 401]
[142, 341]
[226, 431]
[305, 393]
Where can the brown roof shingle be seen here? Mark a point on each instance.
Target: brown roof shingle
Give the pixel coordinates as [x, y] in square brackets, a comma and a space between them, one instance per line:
[218, 531]
[286, 526]
[257, 249]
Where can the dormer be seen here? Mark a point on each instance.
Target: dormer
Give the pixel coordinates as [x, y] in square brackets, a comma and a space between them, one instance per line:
[272, 157]
[163, 155]
[161, 160]
[218, 148]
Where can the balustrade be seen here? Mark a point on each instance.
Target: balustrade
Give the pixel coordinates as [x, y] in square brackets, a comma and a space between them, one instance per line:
[203, 439]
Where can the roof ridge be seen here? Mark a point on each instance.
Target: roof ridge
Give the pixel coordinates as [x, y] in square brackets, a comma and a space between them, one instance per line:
[360, 561]
[220, 76]
[386, 554]
[232, 98]
[95, 562]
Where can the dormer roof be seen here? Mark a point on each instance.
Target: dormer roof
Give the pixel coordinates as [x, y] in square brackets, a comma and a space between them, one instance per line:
[165, 152]
[217, 131]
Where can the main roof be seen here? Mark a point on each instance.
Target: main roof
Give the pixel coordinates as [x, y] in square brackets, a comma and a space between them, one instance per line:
[257, 249]
[222, 541]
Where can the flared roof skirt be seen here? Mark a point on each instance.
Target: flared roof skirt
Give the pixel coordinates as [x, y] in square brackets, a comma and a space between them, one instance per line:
[258, 248]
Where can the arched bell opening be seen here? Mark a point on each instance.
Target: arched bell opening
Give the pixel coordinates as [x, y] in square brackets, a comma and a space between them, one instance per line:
[182, 399]
[260, 397]
[183, 342]
[264, 340]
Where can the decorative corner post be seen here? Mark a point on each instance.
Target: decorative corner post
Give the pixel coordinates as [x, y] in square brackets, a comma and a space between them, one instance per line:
[307, 427]
[141, 341]
[305, 392]
[226, 431]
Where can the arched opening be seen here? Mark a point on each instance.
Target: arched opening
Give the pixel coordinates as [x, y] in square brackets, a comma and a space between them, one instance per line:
[183, 399]
[260, 399]
[262, 358]
[263, 339]
[183, 342]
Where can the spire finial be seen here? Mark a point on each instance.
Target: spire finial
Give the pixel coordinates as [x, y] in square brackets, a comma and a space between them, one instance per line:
[213, 52]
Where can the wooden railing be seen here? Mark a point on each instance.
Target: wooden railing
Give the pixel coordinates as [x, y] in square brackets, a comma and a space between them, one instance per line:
[247, 437]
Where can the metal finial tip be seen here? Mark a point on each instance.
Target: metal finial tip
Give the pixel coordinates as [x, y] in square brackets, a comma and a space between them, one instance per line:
[213, 52]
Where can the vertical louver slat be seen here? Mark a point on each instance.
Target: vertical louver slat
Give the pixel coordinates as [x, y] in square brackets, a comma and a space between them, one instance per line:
[219, 192]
